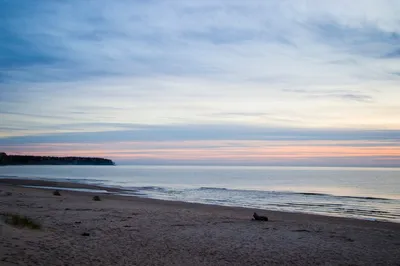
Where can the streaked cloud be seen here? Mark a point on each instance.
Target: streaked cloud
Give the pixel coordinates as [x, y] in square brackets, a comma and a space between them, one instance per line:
[220, 152]
[110, 71]
[204, 133]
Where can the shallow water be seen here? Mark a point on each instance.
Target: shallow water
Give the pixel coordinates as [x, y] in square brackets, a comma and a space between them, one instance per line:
[367, 193]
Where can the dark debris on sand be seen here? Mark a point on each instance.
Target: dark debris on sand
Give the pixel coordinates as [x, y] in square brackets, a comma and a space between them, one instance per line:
[96, 198]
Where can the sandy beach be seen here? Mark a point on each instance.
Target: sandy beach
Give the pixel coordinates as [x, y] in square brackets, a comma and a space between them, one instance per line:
[136, 231]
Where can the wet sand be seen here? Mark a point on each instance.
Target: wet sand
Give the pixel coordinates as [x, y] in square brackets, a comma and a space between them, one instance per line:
[137, 231]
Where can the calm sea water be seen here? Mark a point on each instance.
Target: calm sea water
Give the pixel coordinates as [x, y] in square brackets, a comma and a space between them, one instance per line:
[366, 193]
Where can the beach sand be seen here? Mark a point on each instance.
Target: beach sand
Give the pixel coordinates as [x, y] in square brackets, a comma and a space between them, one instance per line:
[137, 231]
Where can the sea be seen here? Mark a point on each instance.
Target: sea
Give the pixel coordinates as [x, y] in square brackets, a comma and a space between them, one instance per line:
[363, 193]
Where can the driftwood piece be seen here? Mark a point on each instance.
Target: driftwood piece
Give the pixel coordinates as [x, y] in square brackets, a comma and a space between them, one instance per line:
[259, 217]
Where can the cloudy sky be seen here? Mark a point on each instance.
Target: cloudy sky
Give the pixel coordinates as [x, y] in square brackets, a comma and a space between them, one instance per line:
[272, 82]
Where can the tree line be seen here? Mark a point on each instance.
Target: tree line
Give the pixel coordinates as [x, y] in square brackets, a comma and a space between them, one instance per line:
[51, 160]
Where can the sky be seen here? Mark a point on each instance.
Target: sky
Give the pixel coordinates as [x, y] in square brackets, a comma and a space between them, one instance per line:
[272, 82]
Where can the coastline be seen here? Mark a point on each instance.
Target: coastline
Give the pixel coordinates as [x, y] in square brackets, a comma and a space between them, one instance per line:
[120, 193]
[130, 230]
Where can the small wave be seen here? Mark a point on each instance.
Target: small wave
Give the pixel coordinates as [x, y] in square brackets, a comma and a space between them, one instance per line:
[215, 188]
[295, 193]
[71, 189]
[151, 188]
[79, 179]
[337, 196]
[9, 176]
[56, 179]
[308, 204]
[312, 194]
[260, 193]
[364, 198]
[358, 211]
[216, 200]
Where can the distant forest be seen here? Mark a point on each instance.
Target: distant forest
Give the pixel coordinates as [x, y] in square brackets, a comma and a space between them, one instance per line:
[51, 160]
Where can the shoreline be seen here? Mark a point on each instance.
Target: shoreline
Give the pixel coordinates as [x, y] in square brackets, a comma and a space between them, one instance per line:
[119, 193]
[52, 183]
[131, 230]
